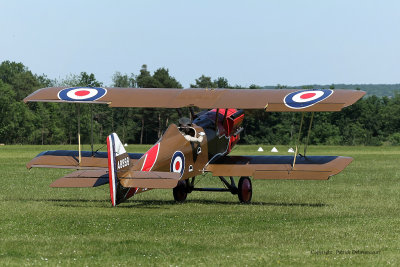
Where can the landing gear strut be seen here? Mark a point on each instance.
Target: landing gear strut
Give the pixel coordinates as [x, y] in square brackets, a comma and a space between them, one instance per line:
[244, 189]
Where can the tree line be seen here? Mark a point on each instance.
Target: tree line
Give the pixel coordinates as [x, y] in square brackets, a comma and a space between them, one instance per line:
[371, 121]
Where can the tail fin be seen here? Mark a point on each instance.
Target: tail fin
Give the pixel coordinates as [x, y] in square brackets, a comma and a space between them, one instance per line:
[118, 162]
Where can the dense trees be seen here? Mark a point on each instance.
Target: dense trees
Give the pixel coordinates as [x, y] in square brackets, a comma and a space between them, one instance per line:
[371, 121]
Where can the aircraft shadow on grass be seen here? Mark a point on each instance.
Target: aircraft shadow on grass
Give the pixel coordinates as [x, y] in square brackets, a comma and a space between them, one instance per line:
[151, 203]
[157, 204]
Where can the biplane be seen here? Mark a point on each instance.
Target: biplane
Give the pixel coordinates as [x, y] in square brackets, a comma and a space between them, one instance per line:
[193, 147]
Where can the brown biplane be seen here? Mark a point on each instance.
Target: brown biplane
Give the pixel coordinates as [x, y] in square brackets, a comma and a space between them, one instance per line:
[193, 147]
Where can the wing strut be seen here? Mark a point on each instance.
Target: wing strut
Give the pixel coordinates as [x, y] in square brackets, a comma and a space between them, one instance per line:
[78, 110]
[308, 134]
[299, 137]
[225, 115]
[216, 119]
[91, 128]
[192, 114]
[298, 140]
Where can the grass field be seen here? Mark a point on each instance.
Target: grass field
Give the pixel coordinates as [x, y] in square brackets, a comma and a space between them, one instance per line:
[353, 218]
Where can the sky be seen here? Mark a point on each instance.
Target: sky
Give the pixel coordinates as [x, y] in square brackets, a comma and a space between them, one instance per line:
[289, 42]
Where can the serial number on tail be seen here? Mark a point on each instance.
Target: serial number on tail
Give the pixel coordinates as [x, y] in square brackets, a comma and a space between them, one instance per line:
[122, 163]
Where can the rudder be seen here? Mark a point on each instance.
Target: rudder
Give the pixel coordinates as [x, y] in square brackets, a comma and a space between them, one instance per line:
[118, 161]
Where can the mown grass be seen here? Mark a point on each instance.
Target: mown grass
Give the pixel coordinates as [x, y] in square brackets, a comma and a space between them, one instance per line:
[289, 222]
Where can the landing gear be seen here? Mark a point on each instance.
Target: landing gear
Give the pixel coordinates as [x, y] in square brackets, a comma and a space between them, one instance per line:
[180, 191]
[245, 190]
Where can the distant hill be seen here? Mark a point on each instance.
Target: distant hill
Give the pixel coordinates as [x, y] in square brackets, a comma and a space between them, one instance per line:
[371, 89]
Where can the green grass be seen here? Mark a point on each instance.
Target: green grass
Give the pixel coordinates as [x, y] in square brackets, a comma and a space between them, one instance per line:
[289, 222]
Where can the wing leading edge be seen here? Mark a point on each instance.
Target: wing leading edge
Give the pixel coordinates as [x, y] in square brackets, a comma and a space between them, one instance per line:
[272, 100]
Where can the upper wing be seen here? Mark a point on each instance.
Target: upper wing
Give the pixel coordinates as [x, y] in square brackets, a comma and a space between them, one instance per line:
[280, 167]
[270, 100]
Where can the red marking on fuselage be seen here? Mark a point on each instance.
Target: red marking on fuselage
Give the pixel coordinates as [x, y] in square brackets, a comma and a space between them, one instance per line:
[307, 95]
[82, 93]
[150, 158]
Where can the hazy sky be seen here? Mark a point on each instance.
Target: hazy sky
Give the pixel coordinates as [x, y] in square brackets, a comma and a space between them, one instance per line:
[247, 42]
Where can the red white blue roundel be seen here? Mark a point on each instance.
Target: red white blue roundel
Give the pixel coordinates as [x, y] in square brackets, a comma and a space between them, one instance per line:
[306, 98]
[82, 93]
[178, 162]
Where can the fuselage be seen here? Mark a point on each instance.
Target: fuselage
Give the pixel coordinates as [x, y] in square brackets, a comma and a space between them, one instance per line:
[174, 153]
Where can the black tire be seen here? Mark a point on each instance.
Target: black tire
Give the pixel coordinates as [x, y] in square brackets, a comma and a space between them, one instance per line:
[180, 192]
[245, 190]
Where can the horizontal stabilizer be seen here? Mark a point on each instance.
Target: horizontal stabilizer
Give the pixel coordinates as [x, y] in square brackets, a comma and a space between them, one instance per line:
[150, 179]
[280, 167]
[83, 178]
[69, 159]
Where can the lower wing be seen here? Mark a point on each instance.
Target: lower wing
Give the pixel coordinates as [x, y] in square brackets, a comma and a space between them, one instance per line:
[280, 167]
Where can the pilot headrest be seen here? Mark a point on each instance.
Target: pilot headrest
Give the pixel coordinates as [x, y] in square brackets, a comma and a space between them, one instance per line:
[185, 121]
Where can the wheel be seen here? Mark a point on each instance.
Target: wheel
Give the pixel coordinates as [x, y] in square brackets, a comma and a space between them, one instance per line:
[245, 190]
[180, 191]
